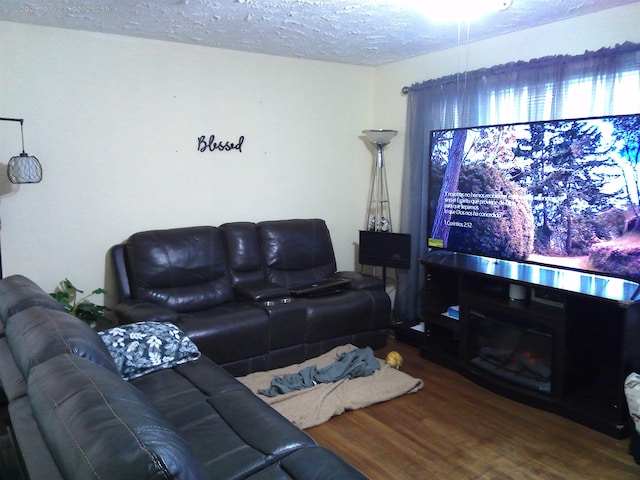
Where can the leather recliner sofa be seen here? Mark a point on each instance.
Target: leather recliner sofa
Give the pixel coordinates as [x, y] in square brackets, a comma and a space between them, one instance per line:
[229, 288]
[74, 417]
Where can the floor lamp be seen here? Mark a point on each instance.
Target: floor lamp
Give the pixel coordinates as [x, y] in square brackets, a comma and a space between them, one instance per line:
[379, 211]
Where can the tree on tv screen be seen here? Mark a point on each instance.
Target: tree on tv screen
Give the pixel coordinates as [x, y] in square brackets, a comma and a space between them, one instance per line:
[569, 168]
[449, 181]
[507, 235]
[626, 133]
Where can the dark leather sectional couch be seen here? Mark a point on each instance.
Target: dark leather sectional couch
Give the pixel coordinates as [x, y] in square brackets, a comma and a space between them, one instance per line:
[74, 417]
[229, 289]
[72, 414]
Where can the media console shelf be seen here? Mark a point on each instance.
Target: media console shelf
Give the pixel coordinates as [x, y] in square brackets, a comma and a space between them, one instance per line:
[551, 338]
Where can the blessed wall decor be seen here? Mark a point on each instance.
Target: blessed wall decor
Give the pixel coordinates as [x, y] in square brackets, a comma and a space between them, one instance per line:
[211, 145]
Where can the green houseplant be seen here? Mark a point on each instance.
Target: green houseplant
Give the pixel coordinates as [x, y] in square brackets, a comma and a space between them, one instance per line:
[67, 295]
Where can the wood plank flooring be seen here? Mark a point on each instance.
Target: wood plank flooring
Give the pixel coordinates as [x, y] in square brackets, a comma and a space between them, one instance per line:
[453, 429]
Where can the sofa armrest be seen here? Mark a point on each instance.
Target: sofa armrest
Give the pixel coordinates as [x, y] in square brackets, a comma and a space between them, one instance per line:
[260, 291]
[73, 400]
[361, 281]
[131, 311]
[117, 255]
[33, 451]
[18, 293]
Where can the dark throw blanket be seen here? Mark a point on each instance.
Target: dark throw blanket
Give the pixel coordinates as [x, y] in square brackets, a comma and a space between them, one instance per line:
[356, 363]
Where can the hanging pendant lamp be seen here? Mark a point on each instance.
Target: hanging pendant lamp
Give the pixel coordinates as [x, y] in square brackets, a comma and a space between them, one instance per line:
[23, 168]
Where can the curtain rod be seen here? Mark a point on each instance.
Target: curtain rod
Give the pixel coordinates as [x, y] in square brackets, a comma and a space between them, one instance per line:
[626, 47]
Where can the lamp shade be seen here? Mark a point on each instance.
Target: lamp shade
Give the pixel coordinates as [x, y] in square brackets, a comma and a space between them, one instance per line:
[24, 168]
[380, 137]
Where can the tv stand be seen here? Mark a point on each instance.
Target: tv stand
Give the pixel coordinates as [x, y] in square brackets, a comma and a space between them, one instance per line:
[563, 334]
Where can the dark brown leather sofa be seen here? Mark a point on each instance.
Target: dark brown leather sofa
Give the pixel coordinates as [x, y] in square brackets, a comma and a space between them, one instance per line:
[74, 417]
[229, 288]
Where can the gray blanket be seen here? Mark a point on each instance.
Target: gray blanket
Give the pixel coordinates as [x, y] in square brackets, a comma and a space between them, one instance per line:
[356, 363]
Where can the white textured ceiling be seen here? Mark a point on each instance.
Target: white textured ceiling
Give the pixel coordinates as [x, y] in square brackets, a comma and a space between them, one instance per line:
[359, 32]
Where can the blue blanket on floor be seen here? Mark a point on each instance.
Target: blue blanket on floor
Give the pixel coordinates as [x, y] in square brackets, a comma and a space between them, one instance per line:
[356, 363]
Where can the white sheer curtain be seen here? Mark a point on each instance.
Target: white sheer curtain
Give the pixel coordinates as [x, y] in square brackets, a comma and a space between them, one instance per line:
[606, 82]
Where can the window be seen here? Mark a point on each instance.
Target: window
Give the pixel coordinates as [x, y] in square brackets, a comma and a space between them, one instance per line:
[594, 84]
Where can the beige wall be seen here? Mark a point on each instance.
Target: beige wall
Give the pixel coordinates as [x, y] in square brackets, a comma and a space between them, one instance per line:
[115, 121]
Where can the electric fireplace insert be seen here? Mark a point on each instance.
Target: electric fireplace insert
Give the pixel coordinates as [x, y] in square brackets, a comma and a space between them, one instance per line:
[515, 352]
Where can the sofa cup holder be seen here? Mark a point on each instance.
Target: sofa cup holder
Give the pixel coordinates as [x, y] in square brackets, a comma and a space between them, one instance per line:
[278, 301]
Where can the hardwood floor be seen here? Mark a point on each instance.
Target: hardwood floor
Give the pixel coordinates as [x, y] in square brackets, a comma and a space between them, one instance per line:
[453, 429]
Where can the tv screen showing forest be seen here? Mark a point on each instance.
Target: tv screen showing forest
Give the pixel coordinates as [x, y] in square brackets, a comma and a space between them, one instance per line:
[563, 193]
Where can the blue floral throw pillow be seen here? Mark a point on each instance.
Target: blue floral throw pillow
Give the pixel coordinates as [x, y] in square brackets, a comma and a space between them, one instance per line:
[145, 347]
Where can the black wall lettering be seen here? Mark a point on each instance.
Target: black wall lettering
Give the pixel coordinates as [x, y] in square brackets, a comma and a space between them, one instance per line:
[222, 146]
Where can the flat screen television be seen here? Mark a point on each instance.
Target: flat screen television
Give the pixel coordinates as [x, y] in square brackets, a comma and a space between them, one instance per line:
[562, 193]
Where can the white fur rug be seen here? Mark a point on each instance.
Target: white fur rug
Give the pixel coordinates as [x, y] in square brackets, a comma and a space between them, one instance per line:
[313, 406]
